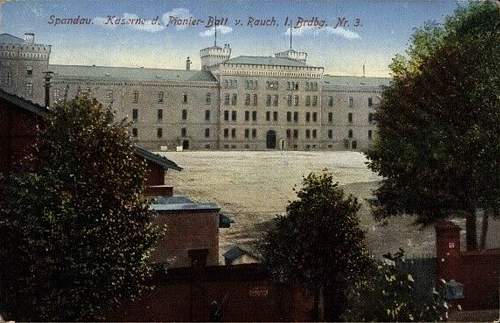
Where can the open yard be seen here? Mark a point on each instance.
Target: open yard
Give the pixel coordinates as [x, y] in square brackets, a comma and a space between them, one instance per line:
[252, 187]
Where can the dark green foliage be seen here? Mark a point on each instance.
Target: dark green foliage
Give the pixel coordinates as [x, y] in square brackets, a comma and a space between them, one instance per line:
[318, 243]
[390, 295]
[438, 145]
[75, 236]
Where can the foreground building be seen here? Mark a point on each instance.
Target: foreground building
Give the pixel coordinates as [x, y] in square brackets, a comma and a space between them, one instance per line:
[245, 102]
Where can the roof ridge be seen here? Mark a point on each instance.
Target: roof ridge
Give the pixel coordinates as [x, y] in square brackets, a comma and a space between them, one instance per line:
[130, 67]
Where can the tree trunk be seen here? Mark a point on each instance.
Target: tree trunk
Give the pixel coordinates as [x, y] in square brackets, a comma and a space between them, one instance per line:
[471, 231]
[484, 229]
[335, 303]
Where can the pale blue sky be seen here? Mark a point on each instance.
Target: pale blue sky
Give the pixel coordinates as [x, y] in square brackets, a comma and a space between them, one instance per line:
[384, 29]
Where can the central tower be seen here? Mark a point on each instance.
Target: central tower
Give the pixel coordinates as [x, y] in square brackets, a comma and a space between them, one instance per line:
[214, 55]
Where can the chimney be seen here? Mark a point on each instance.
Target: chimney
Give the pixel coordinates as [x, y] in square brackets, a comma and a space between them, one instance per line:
[188, 64]
[29, 38]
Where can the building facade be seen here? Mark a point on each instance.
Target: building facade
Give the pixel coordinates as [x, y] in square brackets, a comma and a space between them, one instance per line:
[240, 103]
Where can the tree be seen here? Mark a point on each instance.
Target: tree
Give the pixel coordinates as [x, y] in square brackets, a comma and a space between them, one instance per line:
[392, 295]
[76, 233]
[438, 143]
[318, 243]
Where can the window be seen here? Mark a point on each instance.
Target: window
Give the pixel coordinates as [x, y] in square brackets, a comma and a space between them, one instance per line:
[226, 115]
[351, 102]
[234, 99]
[289, 116]
[308, 116]
[255, 99]
[247, 99]
[295, 117]
[370, 117]
[272, 85]
[109, 95]
[349, 134]
[183, 132]
[254, 133]
[289, 100]
[159, 115]
[275, 101]
[184, 98]
[330, 133]
[233, 133]
[254, 115]
[308, 101]
[330, 101]
[268, 115]
[135, 133]
[308, 133]
[349, 117]
[315, 101]
[370, 134]
[247, 133]
[268, 101]
[233, 115]
[247, 115]
[295, 133]
[184, 114]
[330, 117]
[275, 115]
[296, 103]
[226, 133]
[314, 133]
[288, 133]
[227, 98]
[208, 99]
[207, 132]
[135, 114]
[29, 87]
[135, 97]
[315, 116]
[159, 132]
[370, 102]
[207, 115]
[29, 70]
[161, 96]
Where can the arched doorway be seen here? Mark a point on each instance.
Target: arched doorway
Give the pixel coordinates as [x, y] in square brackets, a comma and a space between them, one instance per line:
[271, 139]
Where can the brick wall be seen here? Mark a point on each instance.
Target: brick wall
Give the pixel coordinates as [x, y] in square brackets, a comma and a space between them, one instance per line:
[478, 271]
[244, 293]
[186, 231]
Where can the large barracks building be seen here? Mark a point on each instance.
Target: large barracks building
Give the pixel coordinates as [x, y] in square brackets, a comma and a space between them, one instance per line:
[230, 103]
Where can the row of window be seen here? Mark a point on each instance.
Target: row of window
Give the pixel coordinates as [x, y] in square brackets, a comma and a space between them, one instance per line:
[233, 115]
[160, 98]
[270, 85]
[290, 133]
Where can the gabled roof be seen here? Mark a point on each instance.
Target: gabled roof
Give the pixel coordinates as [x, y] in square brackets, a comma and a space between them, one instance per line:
[130, 73]
[265, 60]
[237, 251]
[24, 103]
[10, 39]
[157, 159]
[355, 80]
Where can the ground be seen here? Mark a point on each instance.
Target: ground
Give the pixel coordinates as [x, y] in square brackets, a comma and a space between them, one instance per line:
[252, 187]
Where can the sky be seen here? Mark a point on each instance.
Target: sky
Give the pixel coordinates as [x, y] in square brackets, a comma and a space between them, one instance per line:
[370, 32]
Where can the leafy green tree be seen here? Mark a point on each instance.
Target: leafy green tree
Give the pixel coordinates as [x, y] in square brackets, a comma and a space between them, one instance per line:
[76, 233]
[318, 244]
[438, 143]
[390, 295]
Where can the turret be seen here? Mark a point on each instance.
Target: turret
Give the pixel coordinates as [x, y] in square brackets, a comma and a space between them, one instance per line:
[214, 55]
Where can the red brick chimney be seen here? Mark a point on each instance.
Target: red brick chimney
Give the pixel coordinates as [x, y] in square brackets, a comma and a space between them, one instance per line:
[447, 250]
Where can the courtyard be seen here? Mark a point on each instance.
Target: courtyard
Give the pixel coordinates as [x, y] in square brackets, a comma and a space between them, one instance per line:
[252, 187]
